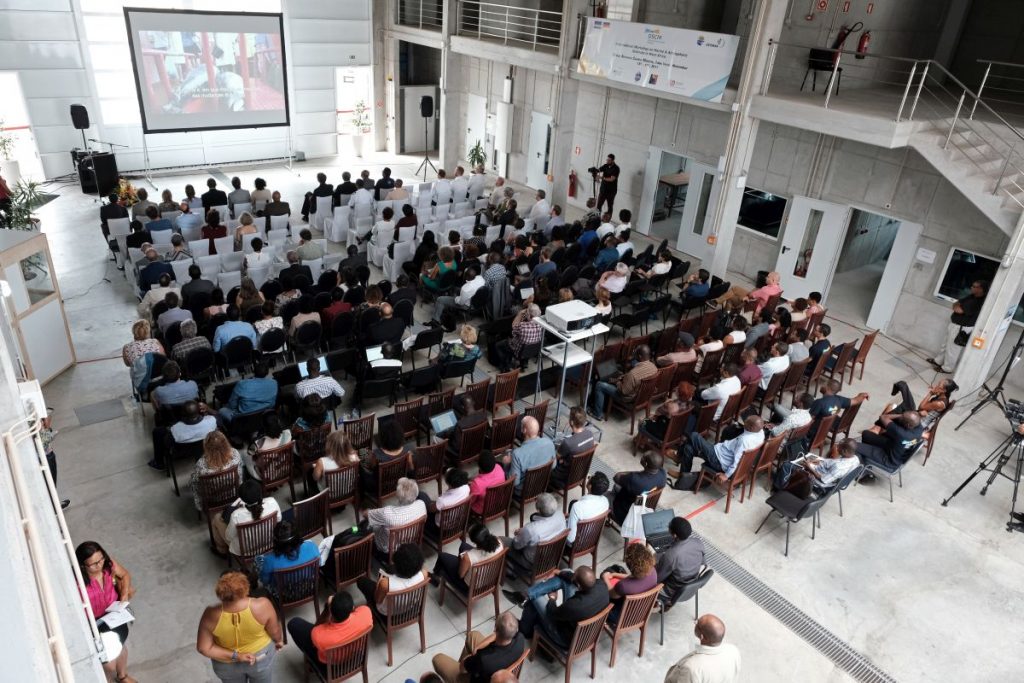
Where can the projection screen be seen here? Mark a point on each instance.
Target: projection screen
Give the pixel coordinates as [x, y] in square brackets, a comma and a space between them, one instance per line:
[208, 70]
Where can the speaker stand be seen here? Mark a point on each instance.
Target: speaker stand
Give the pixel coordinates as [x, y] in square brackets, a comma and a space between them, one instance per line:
[426, 152]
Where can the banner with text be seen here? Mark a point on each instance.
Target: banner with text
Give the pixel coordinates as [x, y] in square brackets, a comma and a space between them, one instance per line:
[676, 60]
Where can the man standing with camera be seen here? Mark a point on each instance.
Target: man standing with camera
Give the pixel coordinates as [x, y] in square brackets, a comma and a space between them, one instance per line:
[609, 183]
[958, 332]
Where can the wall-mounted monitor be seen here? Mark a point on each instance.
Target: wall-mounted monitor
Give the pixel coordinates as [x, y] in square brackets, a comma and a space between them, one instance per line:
[963, 267]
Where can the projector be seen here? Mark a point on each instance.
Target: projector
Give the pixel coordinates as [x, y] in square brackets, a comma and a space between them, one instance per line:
[572, 316]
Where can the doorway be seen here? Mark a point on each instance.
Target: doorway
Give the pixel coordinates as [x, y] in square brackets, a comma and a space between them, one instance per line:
[354, 105]
[538, 154]
[419, 77]
[679, 204]
[24, 162]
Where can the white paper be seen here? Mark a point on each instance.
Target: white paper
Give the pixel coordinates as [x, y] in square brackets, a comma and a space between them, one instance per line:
[116, 615]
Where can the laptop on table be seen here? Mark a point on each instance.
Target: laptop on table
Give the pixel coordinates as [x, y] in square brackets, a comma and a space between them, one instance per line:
[656, 529]
[443, 422]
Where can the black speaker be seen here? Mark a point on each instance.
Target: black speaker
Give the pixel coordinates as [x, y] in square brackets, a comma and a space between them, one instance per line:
[426, 106]
[79, 116]
[97, 172]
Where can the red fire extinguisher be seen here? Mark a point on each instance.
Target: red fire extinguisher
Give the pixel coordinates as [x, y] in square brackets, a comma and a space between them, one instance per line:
[840, 40]
[862, 44]
[572, 183]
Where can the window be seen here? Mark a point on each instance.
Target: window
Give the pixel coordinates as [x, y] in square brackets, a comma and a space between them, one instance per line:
[762, 212]
[963, 267]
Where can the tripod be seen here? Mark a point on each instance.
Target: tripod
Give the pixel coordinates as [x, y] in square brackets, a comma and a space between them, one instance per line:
[426, 151]
[1011, 447]
[995, 394]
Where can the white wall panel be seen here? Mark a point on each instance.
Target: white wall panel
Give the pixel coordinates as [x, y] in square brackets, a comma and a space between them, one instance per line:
[27, 55]
[328, 9]
[37, 5]
[317, 122]
[54, 111]
[307, 101]
[56, 83]
[50, 139]
[330, 30]
[342, 53]
[312, 77]
[37, 26]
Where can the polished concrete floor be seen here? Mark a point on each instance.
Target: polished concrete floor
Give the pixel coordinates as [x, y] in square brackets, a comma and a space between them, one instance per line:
[926, 592]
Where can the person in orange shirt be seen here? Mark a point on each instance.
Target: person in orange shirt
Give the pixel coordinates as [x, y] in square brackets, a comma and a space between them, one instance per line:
[339, 624]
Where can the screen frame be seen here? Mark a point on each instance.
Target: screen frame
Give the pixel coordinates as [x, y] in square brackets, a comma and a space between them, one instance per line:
[945, 269]
[138, 83]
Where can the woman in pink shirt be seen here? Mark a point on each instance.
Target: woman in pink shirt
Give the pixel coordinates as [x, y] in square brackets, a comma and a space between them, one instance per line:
[490, 475]
[106, 582]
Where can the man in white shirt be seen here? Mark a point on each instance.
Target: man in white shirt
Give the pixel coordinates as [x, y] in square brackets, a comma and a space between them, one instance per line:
[776, 363]
[381, 235]
[362, 197]
[473, 282]
[625, 216]
[589, 506]
[460, 185]
[606, 228]
[713, 661]
[156, 294]
[442, 191]
[258, 258]
[721, 458]
[625, 244]
[728, 385]
[498, 193]
[799, 416]
[542, 209]
[477, 183]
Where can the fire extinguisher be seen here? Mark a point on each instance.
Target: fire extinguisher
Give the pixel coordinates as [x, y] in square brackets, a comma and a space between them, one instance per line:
[862, 44]
[840, 40]
[572, 183]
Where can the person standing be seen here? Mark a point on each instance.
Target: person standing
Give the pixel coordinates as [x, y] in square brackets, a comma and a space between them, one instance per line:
[106, 582]
[609, 183]
[713, 661]
[964, 316]
[242, 634]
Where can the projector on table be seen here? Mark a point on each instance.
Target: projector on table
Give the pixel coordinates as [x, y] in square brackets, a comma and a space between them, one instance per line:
[572, 316]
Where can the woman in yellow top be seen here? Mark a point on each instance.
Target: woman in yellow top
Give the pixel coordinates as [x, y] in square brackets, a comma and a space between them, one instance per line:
[241, 635]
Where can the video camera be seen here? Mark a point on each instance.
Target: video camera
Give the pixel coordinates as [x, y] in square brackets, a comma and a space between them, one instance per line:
[593, 170]
[1014, 411]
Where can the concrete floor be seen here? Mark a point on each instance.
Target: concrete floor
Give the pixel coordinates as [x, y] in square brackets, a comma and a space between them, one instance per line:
[926, 592]
[852, 292]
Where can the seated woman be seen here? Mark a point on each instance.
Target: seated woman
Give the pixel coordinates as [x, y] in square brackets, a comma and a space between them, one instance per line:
[934, 403]
[445, 263]
[106, 582]
[406, 572]
[270, 320]
[338, 452]
[312, 413]
[307, 312]
[604, 302]
[454, 568]
[289, 551]
[141, 344]
[218, 456]
[273, 436]
[798, 312]
[246, 226]
[652, 430]
[737, 332]
[253, 506]
[248, 296]
[213, 229]
[463, 349]
[661, 267]
[425, 251]
[391, 440]
[217, 304]
[457, 493]
[641, 576]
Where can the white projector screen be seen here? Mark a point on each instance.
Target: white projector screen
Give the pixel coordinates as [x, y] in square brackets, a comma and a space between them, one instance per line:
[178, 54]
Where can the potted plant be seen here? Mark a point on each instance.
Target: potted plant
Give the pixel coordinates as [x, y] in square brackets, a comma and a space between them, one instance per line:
[361, 124]
[475, 156]
[9, 167]
[24, 198]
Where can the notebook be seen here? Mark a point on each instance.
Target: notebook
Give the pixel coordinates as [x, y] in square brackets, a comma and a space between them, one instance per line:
[442, 422]
[656, 529]
[304, 372]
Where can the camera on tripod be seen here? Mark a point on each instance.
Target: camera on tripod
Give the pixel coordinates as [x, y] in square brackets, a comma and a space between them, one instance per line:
[593, 170]
[1014, 411]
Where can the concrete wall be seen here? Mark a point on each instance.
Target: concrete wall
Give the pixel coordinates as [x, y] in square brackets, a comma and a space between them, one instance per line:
[994, 30]
[869, 238]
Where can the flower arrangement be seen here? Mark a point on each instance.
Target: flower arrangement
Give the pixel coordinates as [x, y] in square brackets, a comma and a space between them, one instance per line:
[126, 193]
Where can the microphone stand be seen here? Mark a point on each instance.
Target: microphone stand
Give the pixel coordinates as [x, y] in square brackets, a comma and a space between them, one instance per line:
[101, 142]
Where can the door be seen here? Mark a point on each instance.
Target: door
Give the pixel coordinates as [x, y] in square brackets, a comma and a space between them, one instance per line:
[901, 258]
[811, 243]
[476, 123]
[537, 153]
[701, 194]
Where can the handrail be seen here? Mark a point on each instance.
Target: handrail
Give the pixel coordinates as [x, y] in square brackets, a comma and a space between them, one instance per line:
[998, 63]
[534, 27]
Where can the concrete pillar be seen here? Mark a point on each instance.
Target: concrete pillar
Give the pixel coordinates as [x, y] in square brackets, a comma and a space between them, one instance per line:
[1003, 296]
[563, 158]
[383, 117]
[768, 20]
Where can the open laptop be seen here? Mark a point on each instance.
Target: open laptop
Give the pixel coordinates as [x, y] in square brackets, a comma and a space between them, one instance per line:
[656, 529]
[304, 373]
[374, 353]
[442, 422]
[606, 369]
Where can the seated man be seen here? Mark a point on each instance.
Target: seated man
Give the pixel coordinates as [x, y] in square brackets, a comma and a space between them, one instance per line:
[798, 350]
[749, 372]
[543, 526]
[737, 296]
[721, 458]
[594, 503]
[829, 403]
[535, 450]
[899, 439]
[794, 418]
[179, 250]
[580, 440]
[173, 314]
[682, 561]
[472, 282]
[152, 273]
[407, 509]
[156, 223]
[584, 595]
[339, 624]
[196, 286]
[193, 426]
[482, 657]
[625, 386]
[294, 269]
[683, 353]
[174, 391]
[728, 385]
[322, 189]
[777, 362]
[315, 383]
[231, 328]
[387, 330]
[820, 345]
[308, 250]
[630, 485]
[471, 417]
[251, 395]
[190, 341]
[821, 473]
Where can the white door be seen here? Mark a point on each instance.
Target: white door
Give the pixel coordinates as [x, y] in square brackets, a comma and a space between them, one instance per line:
[476, 123]
[701, 195]
[897, 265]
[811, 243]
[538, 151]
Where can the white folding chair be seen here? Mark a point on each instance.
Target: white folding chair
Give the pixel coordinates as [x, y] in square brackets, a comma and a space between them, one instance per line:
[231, 224]
[480, 204]
[407, 234]
[259, 275]
[323, 211]
[119, 229]
[360, 230]
[224, 245]
[331, 261]
[199, 248]
[316, 266]
[322, 241]
[191, 233]
[336, 225]
[231, 260]
[259, 205]
[210, 265]
[172, 216]
[223, 211]
[246, 243]
[162, 238]
[279, 222]
[440, 212]
[180, 269]
[381, 205]
[393, 266]
[362, 211]
[228, 280]
[461, 209]
[492, 233]
[278, 238]
[241, 208]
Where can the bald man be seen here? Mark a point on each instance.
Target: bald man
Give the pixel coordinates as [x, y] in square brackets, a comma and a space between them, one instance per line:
[721, 458]
[504, 676]
[584, 596]
[536, 450]
[713, 661]
[483, 656]
[388, 329]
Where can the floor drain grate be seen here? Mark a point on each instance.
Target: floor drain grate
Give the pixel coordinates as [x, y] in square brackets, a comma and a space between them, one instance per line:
[824, 641]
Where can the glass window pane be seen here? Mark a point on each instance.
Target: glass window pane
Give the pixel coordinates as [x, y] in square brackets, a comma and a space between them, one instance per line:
[110, 57]
[103, 29]
[702, 204]
[762, 211]
[803, 259]
[36, 271]
[120, 111]
[114, 84]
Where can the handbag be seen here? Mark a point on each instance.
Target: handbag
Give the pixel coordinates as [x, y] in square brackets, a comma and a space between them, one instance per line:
[961, 337]
[633, 525]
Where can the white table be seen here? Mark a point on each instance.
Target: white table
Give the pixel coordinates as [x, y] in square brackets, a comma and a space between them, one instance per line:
[566, 354]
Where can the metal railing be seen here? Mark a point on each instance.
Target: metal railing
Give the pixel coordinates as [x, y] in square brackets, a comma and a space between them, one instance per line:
[426, 14]
[907, 90]
[1003, 88]
[517, 26]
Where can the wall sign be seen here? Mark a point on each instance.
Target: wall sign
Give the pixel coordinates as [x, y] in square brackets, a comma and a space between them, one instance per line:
[693, 64]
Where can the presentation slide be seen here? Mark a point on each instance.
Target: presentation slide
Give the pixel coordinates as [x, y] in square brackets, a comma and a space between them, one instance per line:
[208, 70]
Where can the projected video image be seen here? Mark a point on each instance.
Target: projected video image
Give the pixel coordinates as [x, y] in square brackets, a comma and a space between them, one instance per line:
[203, 72]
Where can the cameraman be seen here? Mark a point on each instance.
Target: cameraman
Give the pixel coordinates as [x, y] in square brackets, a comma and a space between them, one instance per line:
[609, 183]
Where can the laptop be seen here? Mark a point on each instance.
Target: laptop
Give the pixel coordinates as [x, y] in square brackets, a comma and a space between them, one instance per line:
[304, 373]
[656, 529]
[442, 422]
[523, 268]
[374, 353]
[607, 368]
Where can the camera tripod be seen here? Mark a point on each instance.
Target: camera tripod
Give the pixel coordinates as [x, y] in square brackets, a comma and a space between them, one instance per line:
[1011, 447]
[995, 394]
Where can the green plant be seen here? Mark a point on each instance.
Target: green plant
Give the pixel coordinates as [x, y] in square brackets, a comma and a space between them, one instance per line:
[6, 142]
[24, 199]
[361, 120]
[475, 156]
